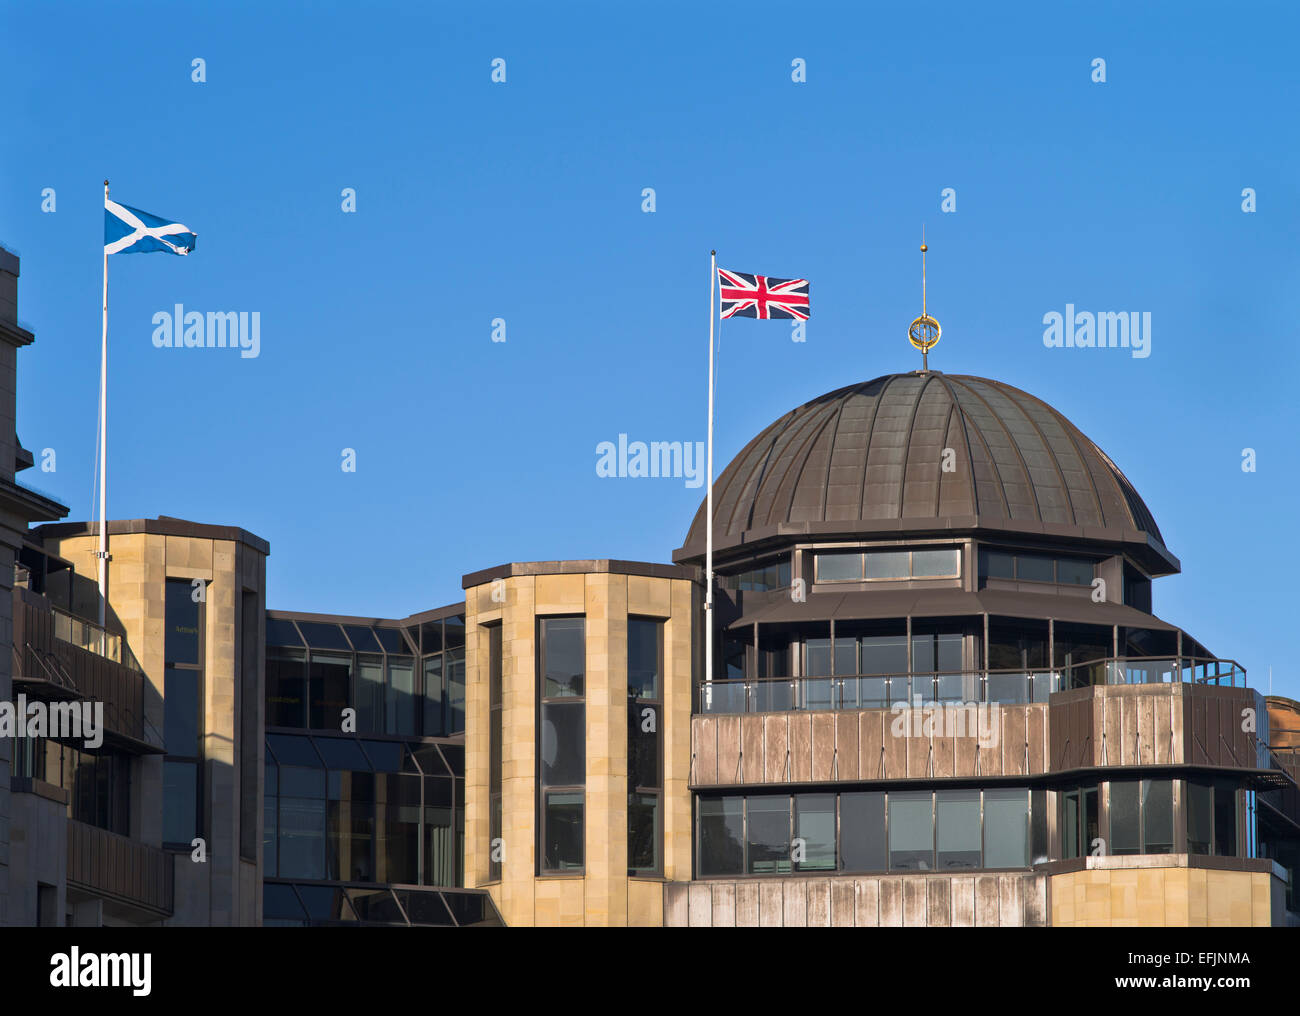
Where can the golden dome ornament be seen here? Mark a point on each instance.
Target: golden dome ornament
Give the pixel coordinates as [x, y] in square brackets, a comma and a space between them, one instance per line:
[924, 332]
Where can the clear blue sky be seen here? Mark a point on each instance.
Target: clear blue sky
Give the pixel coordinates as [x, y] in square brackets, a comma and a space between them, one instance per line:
[523, 201]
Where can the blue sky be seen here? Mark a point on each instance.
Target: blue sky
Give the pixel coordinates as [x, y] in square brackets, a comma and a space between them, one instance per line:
[522, 201]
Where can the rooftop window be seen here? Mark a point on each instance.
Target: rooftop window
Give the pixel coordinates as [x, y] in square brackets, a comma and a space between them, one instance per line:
[875, 565]
[1024, 567]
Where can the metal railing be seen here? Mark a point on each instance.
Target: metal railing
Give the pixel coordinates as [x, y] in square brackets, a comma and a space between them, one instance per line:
[1007, 687]
[1156, 670]
[91, 637]
[876, 691]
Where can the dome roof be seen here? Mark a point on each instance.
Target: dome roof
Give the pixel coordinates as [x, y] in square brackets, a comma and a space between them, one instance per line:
[867, 460]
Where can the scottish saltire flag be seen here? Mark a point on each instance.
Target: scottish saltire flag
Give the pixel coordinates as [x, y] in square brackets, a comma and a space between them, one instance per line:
[131, 231]
[760, 296]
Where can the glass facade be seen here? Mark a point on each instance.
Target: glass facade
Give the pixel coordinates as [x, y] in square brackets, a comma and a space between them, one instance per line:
[358, 810]
[870, 831]
[366, 679]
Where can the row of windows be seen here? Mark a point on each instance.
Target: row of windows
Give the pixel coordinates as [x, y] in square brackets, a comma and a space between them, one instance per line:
[413, 640]
[299, 904]
[561, 744]
[388, 696]
[397, 817]
[998, 564]
[871, 831]
[1142, 818]
[775, 575]
[884, 647]
[98, 783]
[866, 566]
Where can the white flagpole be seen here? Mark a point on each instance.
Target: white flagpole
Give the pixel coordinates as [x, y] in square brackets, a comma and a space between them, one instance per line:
[103, 445]
[708, 518]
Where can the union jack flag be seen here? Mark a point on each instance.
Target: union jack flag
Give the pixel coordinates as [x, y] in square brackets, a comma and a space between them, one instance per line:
[760, 296]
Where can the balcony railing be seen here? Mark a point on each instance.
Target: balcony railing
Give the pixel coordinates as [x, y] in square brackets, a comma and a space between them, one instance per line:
[91, 637]
[1008, 687]
[74, 656]
[119, 868]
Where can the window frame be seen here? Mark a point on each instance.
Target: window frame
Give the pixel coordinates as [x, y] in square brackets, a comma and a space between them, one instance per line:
[199, 668]
[637, 704]
[545, 790]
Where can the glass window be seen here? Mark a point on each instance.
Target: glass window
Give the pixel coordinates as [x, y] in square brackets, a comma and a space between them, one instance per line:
[280, 906]
[563, 824]
[817, 657]
[1157, 817]
[182, 711]
[454, 662]
[433, 719]
[453, 630]
[324, 636]
[286, 688]
[302, 837]
[814, 818]
[424, 908]
[362, 638]
[767, 839]
[1125, 837]
[838, 567]
[299, 781]
[644, 653]
[401, 695]
[397, 828]
[1200, 821]
[370, 694]
[1006, 828]
[292, 750]
[888, 564]
[846, 656]
[350, 826]
[862, 832]
[182, 612]
[330, 678]
[281, 632]
[341, 753]
[643, 744]
[1070, 830]
[1038, 842]
[1074, 571]
[563, 744]
[270, 835]
[957, 829]
[936, 563]
[431, 637]
[392, 641]
[1225, 819]
[911, 831]
[385, 756]
[999, 565]
[884, 654]
[643, 833]
[722, 832]
[564, 657]
[495, 706]
[1035, 568]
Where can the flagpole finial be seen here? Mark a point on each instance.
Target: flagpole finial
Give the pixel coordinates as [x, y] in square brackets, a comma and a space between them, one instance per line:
[713, 253]
[924, 332]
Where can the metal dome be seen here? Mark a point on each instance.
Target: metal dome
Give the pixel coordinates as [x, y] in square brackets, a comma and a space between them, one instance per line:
[867, 460]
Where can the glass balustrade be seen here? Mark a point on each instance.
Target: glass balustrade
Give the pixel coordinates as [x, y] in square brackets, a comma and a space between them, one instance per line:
[1016, 687]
